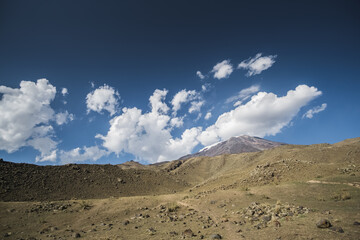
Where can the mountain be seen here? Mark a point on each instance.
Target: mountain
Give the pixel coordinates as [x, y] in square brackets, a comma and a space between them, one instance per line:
[234, 145]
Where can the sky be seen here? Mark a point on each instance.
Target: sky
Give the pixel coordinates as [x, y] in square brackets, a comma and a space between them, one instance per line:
[112, 81]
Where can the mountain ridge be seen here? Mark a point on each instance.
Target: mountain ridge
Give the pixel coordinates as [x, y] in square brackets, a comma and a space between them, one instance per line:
[234, 145]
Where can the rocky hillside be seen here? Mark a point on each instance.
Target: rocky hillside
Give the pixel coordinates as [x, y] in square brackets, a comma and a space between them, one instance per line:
[234, 145]
[286, 163]
[26, 182]
[287, 192]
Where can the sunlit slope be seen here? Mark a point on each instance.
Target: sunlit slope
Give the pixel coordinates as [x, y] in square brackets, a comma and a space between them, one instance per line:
[286, 163]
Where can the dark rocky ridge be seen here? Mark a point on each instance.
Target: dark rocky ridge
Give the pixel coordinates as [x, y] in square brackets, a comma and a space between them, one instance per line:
[235, 145]
[28, 182]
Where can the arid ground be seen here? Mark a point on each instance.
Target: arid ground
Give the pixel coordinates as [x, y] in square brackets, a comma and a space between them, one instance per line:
[281, 193]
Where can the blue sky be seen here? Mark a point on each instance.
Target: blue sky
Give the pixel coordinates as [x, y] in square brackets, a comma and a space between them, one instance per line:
[111, 81]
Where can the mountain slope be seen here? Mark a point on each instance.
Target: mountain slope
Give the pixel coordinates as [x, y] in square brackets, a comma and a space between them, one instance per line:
[240, 144]
[279, 193]
[283, 164]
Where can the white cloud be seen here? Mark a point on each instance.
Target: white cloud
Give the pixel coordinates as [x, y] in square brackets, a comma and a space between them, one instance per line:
[237, 103]
[43, 143]
[265, 114]
[185, 96]
[208, 116]
[156, 101]
[26, 118]
[243, 95]
[75, 155]
[148, 135]
[196, 106]
[310, 113]
[222, 69]
[205, 87]
[257, 64]
[103, 98]
[179, 147]
[177, 122]
[25, 115]
[64, 91]
[63, 117]
[200, 75]
[51, 157]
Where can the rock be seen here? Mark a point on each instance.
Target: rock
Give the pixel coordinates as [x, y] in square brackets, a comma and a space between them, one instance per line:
[188, 233]
[151, 231]
[173, 233]
[120, 180]
[222, 205]
[266, 218]
[356, 223]
[224, 220]
[76, 235]
[215, 236]
[277, 223]
[8, 234]
[337, 229]
[323, 223]
[126, 222]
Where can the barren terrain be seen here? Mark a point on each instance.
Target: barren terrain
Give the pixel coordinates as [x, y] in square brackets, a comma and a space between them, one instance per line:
[280, 193]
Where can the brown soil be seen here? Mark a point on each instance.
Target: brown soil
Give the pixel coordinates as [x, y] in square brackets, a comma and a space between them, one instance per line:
[275, 194]
[26, 182]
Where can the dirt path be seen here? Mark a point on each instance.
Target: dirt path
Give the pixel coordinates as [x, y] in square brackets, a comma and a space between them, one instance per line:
[354, 184]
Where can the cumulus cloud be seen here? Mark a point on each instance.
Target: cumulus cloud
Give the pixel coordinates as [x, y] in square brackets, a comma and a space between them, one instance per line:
[148, 135]
[265, 114]
[64, 91]
[186, 96]
[157, 101]
[200, 75]
[257, 64]
[222, 69]
[51, 157]
[46, 146]
[63, 117]
[27, 118]
[177, 122]
[103, 98]
[243, 95]
[196, 106]
[208, 116]
[310, 113]
[25, 115]
[75, 155]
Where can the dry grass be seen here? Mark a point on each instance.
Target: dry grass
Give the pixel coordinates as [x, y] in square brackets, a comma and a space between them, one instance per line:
[222, 181]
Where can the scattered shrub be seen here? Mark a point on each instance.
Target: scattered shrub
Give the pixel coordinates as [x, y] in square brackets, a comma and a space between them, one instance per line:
[173, 207]
[321, 199]
[85, 205]
[342, 196]
[345, 196]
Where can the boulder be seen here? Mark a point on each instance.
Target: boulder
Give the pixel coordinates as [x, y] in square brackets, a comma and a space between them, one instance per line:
[323, 223]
